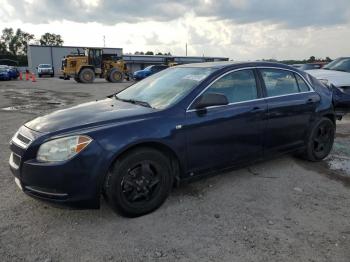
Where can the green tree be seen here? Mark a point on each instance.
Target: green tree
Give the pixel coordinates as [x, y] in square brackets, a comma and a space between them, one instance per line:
[15, 43]
[51, 39]
[159, 53]
[149, 53]
[3, 50]
[312, 59]
[328, 59]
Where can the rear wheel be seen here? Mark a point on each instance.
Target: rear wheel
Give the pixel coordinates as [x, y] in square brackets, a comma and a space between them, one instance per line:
[320, 141]
[139, 182]
[115, 76]
[87, 75]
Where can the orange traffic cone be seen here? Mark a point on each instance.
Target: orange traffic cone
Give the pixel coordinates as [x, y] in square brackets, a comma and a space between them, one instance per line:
[20, 76]
[27, 75]
[33, 77]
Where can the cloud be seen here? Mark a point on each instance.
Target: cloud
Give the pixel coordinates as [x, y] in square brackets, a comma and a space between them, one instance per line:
[296, 13]
[285, 13]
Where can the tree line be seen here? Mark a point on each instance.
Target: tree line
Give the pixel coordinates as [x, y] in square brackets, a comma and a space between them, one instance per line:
[149, 53]
[15, 42]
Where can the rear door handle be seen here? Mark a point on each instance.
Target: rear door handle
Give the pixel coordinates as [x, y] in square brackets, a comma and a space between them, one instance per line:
[310, 101]
[257, 109]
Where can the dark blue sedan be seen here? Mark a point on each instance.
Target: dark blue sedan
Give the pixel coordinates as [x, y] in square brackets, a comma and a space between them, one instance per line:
[5, 74]
[183, 122]
[149, 70]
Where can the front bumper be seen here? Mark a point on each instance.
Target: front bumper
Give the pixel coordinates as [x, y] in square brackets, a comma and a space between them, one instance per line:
[4, 77]
[138, 77]
[75, 182]
[45, 73]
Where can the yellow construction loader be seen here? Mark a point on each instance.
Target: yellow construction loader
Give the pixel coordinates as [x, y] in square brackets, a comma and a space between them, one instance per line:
[95, 62]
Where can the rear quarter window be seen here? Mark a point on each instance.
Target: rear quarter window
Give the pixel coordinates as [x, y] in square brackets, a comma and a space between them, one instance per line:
[303, 87]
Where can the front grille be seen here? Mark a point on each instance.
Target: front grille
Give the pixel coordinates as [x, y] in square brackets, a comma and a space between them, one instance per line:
[15, 160]
[23, 139]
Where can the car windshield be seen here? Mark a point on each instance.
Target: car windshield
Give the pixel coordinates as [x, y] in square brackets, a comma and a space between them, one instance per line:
[165, 88]
[340, 64]
[148, 68]
[45, 66]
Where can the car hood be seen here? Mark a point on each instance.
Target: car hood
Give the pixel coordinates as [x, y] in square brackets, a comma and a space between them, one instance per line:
[139, 72]
[334, 77]
[87, 115]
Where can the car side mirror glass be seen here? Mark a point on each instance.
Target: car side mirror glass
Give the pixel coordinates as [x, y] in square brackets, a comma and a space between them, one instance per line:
[210, 99]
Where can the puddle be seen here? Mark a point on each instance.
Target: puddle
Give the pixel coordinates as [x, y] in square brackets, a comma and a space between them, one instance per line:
[339, 163]
[38, 101]
[336, 165]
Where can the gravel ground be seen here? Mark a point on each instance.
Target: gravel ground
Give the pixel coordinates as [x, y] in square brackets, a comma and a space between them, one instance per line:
[281, 210]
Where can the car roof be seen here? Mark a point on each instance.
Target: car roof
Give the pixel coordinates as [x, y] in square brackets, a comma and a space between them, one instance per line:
[229, 64]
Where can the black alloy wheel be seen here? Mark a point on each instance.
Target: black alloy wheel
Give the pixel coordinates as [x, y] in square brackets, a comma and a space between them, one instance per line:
[321, 140]
[139, 182]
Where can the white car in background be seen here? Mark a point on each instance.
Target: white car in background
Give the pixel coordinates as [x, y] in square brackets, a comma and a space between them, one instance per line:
[336, 75]
[45, 69]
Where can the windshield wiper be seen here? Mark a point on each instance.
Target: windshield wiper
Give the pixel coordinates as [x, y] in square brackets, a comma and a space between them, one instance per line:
[133, 101]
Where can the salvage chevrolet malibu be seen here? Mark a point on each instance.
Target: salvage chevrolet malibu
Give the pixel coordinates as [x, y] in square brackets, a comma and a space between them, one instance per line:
[180, 123]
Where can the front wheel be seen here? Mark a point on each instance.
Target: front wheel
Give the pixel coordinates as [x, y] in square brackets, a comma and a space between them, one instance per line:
[87, 75]
[115, 76]
[320, 141]
[139, 182]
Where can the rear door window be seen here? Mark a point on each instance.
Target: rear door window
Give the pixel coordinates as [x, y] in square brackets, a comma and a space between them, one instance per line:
[279, 82]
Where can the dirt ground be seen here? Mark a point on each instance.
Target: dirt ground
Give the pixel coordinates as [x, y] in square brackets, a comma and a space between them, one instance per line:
[281, 210]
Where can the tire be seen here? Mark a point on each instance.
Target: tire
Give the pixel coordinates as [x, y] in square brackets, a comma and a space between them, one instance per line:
[52, 75]
[39, 76]
[87, 75]
[320, 140]
[115, 76]
[77, 79]
[139, 182]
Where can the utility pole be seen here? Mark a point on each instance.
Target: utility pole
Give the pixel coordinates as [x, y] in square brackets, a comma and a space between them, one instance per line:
[104, 41]
[186, 49]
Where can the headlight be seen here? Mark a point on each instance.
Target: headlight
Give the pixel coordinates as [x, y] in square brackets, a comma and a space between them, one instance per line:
[62, 148]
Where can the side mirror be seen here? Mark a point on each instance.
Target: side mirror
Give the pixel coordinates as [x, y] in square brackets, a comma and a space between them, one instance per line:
[210, 99]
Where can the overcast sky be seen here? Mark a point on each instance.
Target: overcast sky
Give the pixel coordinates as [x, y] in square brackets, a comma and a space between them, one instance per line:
[238, 29]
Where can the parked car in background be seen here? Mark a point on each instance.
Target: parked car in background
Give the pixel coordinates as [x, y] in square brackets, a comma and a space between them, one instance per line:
[183, 122]
[150, 70]
[336, 75]
[311, 66]
[5, 73]
[14, 73]
[45, 69]
[297, 65]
